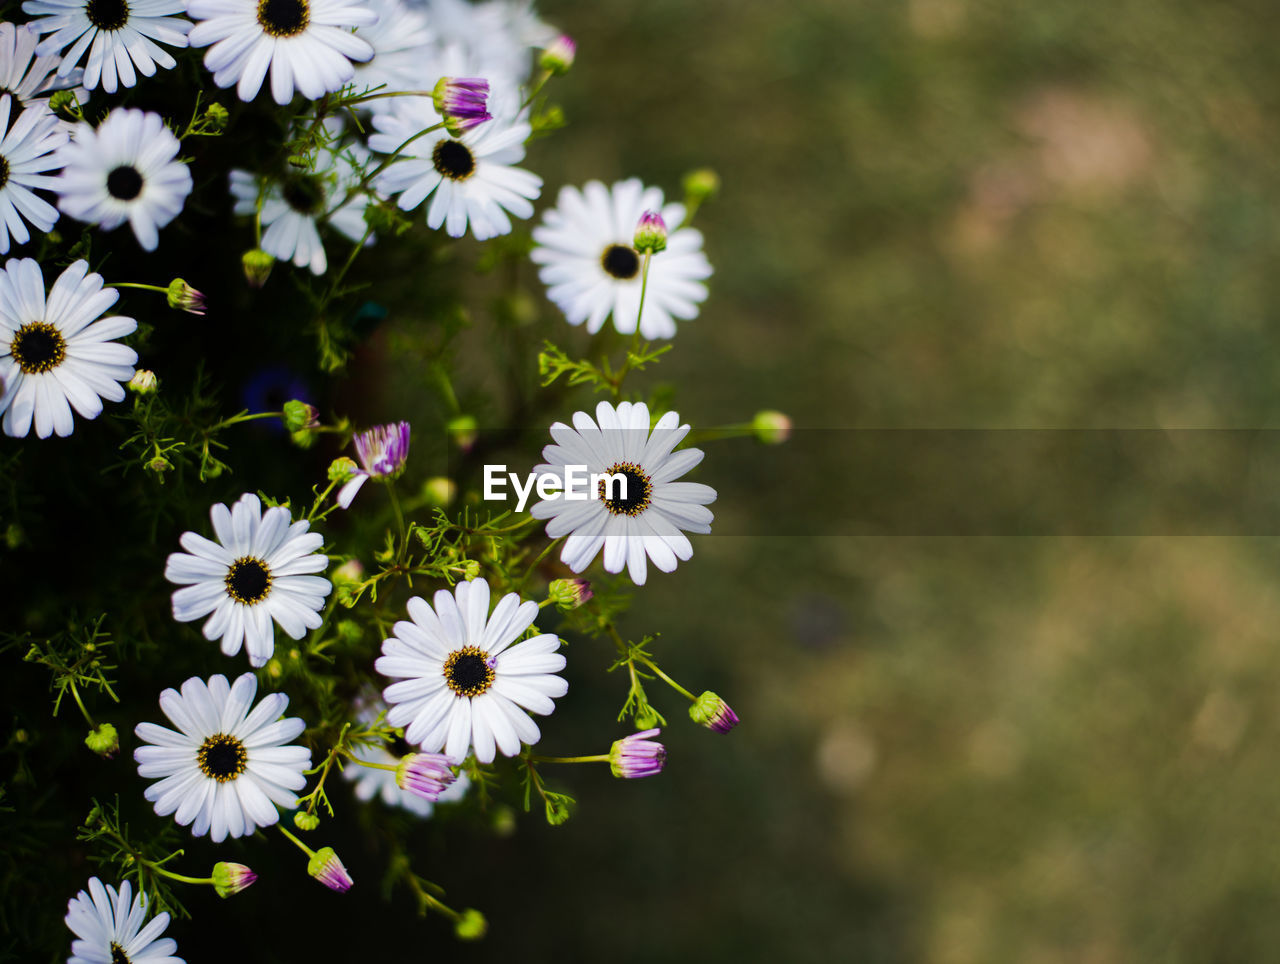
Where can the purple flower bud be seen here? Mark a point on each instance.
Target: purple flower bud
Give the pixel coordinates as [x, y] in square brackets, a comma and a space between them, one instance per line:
[651, 233]
[558, 56]
[325, 867]
[461, 102]
[426, 774]
[229, 878]
[711, 711]
[383, 451]
[637, 756]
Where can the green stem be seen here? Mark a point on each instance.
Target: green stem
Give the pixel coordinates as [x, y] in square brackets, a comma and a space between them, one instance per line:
[304, 848]
[597, 758]
[404, 533]
[140, 287]
[75, 694]
[670, 682]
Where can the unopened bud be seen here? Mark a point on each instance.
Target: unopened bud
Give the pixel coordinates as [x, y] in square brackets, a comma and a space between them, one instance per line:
[702, 184]
[257, 267]
[439, 491]
[184, 297]
[64, 102]
[299, 415]
[463, 431]
[651, 233]
[771, 428]
[143, 382]
[215, 118]
[305, 821]
[461, 101]
[569, 594]
[325, 867]
[342, 468]
[470, 925]
[103, 740]
[557, 58]
[637, 756]
[470, 569]
[425, 774]
[229, 879]
[711, 711]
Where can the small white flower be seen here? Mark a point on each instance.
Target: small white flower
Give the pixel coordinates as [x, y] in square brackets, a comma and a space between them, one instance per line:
[227, 768]
[463, 685]
[294, 207]
[371, 782]
[472, 176]
[118, 34]
[592, 270]
[124, 171]
[646, 520]
[24, 78]
[307, 44]
[27, 149]
[258, 571]
[54, 356]
[108, 924]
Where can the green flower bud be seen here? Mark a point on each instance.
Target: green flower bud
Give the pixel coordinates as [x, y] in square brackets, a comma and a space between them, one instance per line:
[701, 185]
[463, 431]
[184, 297]
[229, 879]
[143, 382]
[257, 267]
[558, 57]
[215, 118]
[711, 711]
[771, 428]
[341, 469]
[567, 594]
[439, 491]
[103, 741]
[299, 415]
[470, 570]
[305, 821]
[470, 926]
[65, 102]
[651, 233]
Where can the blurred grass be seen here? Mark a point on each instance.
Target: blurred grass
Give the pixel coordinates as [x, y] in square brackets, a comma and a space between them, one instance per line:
[942, 213]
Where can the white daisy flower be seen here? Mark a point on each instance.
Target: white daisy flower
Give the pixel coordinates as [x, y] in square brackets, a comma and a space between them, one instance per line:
[27, 149]
[646, 519]
[124, 171]
[258, 571]
[227, 768]
[24, 78]
[294, 207]
[592, 271]
[463, 685]
[308, 44]
[108, 924]
[381, 783]
[119, 35]
[54, 355]
[400, 42]
[471, 175]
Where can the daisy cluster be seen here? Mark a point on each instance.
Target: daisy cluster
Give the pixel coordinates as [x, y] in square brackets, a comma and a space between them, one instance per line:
[418, 636]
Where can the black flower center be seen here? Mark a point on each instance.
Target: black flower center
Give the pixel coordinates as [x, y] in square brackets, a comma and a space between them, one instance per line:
[467, 671]
[248, 580]
[304, 194]
[37, 347]
[124, 183]
[107, 14]
[399, 746]
[4, 165]
[620, 262]
[639, 490]
[222, 757]
[118, 956]
[284, 18]
[453, 160]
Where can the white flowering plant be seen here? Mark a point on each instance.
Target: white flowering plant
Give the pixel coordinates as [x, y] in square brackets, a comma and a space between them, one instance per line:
[259, 255]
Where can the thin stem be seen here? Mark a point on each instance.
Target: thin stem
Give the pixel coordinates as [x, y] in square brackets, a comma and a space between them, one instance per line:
[75, 694]
[542, 555]
[140, 287]
[670, 682]
[183, 878]
[597, 758]
[404, 534]
[305, 849]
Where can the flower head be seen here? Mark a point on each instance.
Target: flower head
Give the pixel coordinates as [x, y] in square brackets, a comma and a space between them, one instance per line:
[383, 451]
[229, 879]
[258, 573]
[460, 102]
[143, 382]
[558, 55]
[651, 233]
[325, 867]
[185, 298]
[24, 78]
[637, 756]
[226, 768]
[641, 519]
[569, 594]
[711, 711]
[27, 150]
[53, 355]
[257, 266]
[426, 774]
[464, 686]
[109, 927]
[771, 428]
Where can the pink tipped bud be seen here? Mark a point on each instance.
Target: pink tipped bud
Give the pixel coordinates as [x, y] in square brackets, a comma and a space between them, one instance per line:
[230, 879]
[325, 867]
[569, 594]
[714, 713]
[461, 102]
[558, 56]
[637, 756]
[771, 428]
[184, 297]
[426, 774]
[651, 233]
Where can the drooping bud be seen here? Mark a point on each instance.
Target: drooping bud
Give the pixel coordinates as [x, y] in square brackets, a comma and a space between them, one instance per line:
[325, 867]
[569, 594]
[103, 740]
[711, 711]
[257, 267]
[463, 431]
[637, 756]
[460, 102]
[651, 233]
[143, 382]
[470, 925]
[305, 821]
[342, 468]
[229, 879]
[184, 297]
[426, 774]
[771, 428]
[558, 56]
[300, 416]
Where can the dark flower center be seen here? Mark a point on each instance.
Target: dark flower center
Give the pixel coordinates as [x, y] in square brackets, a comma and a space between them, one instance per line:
[468, 672]
[620, 262]
[399, 746]
[4, 164]
[639, 490]
[37, 347]
[222, 757]
[284, 18]
[107, 14]
[248, 580]
[124, 183]
[304, 194]
[453, 160]
[118, 956]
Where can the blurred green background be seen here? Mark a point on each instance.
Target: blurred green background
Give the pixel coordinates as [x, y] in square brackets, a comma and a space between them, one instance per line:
[942, 214]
